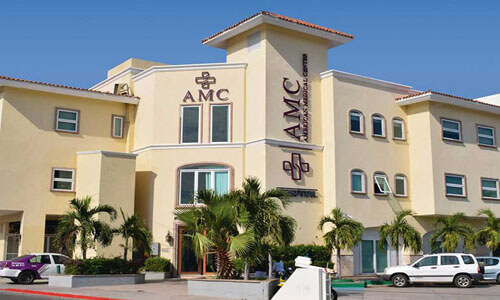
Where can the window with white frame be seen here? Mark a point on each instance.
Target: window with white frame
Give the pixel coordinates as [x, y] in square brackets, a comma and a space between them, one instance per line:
[485, 135]
[117, 126]
[455, 185]
[400, 185]
[489, 188]
[190, 124]
[378, 126]
[204, 177]
[220, 129]
[62, 179]
[356, 120]
[358, 182]
[398, 129]
[67, 120]
[451, 130]
[380, 184]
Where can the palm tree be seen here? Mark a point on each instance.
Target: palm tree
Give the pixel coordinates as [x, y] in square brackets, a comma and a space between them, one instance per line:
[267, 221]
[133, 227]
[400, 231]
[451, 231]
[343, 234]
[213, 226]
[80, 225]
[489, 235]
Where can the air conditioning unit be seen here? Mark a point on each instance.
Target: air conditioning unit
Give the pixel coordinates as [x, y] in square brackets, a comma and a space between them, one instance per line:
[121, 89]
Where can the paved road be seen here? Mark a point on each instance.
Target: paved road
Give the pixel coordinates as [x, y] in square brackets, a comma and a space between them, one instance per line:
[13, 296]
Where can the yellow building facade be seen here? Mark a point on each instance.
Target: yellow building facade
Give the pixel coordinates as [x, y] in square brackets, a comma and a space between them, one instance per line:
[151, 135]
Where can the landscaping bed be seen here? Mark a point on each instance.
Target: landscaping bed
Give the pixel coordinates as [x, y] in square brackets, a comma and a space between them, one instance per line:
[95, 280]
[239, 289]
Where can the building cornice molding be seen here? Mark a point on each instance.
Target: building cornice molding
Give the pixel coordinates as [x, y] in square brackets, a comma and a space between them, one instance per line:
[365, 79]
[129, 70]
[271, 142]
[190, 67]
[108, 153]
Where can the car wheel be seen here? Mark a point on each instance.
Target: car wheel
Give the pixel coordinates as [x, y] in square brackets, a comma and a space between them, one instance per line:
[334, 294]
[26, 277]
[463, 281]
[399, 280]
[498, 279]
[14, 280]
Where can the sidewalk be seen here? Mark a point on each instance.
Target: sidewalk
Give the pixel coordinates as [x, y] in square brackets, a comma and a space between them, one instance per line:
[163, 290]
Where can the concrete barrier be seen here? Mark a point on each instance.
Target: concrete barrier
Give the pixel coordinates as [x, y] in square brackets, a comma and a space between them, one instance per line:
[157, 275]
[239, 289]
[95, 280]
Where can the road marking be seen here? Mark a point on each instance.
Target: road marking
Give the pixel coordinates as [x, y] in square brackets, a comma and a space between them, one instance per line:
[60, 295]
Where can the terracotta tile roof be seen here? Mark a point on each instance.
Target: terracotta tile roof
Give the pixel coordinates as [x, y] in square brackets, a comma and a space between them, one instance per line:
[446, 95]
[62, 86]
[284, 18]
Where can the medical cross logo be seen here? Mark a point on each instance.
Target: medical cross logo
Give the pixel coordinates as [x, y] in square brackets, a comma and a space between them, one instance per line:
[205, 80]
[296, 166]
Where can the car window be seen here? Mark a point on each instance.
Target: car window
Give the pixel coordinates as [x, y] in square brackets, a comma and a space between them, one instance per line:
[427, 261]
[59, 260]
[40, 259]
[491, 262]
[449, 260]
[468, 260]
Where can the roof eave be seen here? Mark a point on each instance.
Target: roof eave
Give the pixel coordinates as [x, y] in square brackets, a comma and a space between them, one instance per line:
[451, 101]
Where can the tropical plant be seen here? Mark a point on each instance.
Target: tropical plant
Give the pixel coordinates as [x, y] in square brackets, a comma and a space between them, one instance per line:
[157, 264]
[134, 227]
[270, 226]
[400, 232]
[489, 235]
[81, 225]
[343, 233]
[451, 231]
[213, 226]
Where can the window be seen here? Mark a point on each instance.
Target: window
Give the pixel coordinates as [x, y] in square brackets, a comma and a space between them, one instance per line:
[62, 180]
[40, 259]
[59, 259]
[455, 185]
[468, 260]
[380, 184]
[356, 122]
[489, 188]
[491, 262]
[398, 129]
[220, 127]
[190, 128]
[451, 130]
[427, 261]
[117, 129]
[486, 136]
[358, 182]
[449, 260]
[378, 126]
[67, 120]
[400, 185]
[204, 177]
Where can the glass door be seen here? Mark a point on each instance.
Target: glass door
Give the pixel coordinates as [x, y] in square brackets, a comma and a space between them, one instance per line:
[13, 241]
[188, 262]
[373, 260]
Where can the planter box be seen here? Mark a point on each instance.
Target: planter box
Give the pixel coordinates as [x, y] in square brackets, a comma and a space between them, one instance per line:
[239, 289]
[157, 275]
[94, 280]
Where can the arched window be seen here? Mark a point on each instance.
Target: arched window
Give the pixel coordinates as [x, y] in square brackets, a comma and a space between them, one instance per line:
[398, 129]
[378, 125]
[380, 184]
[358, 182]
[400, 185]
[195, 178]
[356, 122]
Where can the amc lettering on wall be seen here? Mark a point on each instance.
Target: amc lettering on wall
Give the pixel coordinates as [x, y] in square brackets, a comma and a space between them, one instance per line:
[206, 93]
[296, 100]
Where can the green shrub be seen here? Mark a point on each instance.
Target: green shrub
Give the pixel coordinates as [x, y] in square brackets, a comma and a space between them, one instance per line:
[157, 264]
[100, 265]
[239, 265]
[320, 255]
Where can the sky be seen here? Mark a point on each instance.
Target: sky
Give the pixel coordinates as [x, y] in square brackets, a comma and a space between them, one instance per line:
[446, 46]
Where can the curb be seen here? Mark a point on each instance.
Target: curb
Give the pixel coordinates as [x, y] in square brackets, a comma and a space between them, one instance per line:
[60, 295]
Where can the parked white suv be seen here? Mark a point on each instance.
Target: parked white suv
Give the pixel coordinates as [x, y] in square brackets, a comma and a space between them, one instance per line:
[458, 268]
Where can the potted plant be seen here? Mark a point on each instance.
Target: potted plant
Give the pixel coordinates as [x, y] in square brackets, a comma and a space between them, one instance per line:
[158, 268]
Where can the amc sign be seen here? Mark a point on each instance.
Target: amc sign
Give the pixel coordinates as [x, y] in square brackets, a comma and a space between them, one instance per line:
[206, 93]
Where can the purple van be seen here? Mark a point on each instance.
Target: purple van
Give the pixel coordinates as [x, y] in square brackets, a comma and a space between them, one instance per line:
[25, 269]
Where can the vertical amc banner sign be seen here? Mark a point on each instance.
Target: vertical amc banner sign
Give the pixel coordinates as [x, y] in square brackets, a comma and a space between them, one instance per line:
[297, 102]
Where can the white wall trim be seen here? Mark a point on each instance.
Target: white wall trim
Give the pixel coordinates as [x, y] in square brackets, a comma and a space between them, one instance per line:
[451, 101]
[364, 79]
[272, 142]
[108, 153]
[190, 67]
[67, 91]
[129, 70]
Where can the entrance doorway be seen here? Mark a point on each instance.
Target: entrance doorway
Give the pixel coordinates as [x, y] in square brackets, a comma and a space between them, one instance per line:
[373, 260]
[188, 263]
[13, 240]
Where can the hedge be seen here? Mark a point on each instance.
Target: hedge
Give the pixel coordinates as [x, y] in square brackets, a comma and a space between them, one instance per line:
[100, 265]
[320, 255]
[157, 264]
